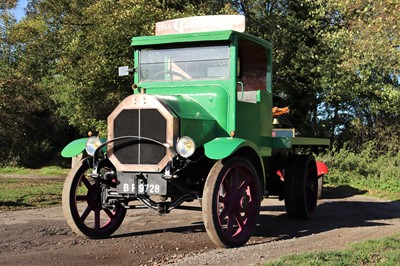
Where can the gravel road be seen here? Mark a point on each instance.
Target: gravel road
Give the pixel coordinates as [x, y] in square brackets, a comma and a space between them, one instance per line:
[42, 237]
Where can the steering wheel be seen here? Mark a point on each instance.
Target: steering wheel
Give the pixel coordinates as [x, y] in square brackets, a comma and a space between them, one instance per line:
[160, 74]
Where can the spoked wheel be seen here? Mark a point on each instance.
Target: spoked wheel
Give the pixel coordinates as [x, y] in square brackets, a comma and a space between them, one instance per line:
[81, 200]
[301, 186]
[231, 202]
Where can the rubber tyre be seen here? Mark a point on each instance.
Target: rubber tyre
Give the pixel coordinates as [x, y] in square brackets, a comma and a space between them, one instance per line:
[231, 202]
[80, 203]
[301, 186]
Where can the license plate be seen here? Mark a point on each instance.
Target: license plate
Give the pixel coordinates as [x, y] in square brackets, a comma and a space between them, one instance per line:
[152, 185]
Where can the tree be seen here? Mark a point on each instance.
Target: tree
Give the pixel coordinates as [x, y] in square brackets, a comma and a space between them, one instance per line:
[92, 39]
[364, 82]
[30, 132]
[64, 57]
[293, 28]
[336, 65]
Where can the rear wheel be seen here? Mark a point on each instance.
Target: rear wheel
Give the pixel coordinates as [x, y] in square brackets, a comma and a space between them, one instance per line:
[231, 202]
[301, 186]
[81, 202]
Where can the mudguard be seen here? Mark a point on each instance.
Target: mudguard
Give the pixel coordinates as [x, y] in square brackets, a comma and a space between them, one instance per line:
[322, 169]
[74, 148]
[77, 146]
[220, 148]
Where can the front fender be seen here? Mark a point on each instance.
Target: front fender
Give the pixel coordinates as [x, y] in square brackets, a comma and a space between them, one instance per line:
[77, 146]
[220, 148]
[74, 148]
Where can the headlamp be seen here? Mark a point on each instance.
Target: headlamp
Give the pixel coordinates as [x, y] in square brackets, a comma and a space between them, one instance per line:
[92, 144]
[185, 147]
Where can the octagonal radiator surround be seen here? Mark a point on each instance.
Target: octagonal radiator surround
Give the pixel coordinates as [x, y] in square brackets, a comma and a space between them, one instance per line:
[141, 116]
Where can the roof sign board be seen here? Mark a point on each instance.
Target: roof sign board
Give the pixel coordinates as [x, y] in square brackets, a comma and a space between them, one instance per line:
[201, 24]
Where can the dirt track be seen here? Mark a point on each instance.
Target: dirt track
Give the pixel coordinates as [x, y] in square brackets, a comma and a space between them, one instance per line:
[42, 237]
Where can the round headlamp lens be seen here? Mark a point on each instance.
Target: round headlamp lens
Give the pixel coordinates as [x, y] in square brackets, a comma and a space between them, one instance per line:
[185, 147]
[92, 144]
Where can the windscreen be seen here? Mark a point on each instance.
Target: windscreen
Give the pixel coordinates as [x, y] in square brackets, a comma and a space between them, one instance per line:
[189, 63]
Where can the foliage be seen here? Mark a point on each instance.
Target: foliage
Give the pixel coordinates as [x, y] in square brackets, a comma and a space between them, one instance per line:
[95, 38]
[366, 170]
[336, 65]
[363, 85]
[373, 252]
[28, 193]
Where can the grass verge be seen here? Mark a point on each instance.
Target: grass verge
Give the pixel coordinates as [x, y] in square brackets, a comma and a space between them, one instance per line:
[16, 194]
[45, 171]
[376, 175]
[373, 252]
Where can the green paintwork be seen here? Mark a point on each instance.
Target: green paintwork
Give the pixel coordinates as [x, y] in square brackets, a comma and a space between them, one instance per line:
[224, 35]
[254, 121]
[220, 148]
[181, 38]
[74, 148]
[195, 120]
[218, 97]
[209, 110]
[208, 100]
[288, 143]
[301, 141]
[281, 143]
[77, 146]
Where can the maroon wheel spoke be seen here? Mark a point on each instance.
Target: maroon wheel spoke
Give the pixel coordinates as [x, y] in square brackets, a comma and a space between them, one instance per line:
[250, 209]
[109, 213]
[243, 187]
[223, 199]
[97, 219]
[243, 172]
[239, 220]
[86, 182]
[235, 179]
[231, 224]
[223, 215]
[227, 186]
[81, 198]
[86, 213]
[111, 216]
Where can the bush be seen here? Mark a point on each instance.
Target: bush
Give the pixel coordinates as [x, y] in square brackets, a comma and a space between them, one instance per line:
[364, 169]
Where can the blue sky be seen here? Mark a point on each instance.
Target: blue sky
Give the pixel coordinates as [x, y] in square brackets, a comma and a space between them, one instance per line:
[19, 11]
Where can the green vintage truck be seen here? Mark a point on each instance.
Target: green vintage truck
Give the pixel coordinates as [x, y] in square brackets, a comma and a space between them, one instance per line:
[198, 126]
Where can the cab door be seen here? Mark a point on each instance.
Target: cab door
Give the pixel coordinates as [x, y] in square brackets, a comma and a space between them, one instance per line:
[254, 93]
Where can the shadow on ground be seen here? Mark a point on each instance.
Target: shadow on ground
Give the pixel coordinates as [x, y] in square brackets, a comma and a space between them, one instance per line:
[332, 213]
[12, 204]
[339, 208]
[340, 192]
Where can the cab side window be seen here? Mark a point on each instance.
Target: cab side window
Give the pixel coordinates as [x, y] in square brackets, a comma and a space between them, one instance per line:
[252, 66]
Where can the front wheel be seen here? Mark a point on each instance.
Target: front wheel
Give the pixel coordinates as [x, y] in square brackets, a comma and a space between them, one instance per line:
[81, 202]
[231, 202]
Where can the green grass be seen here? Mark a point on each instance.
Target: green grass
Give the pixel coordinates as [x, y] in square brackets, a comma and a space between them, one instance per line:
[14, 170]
[18, 193]
[373, 252]
[45, 171]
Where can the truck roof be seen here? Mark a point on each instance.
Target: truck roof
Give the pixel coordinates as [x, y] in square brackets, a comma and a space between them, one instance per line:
[224, 35]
